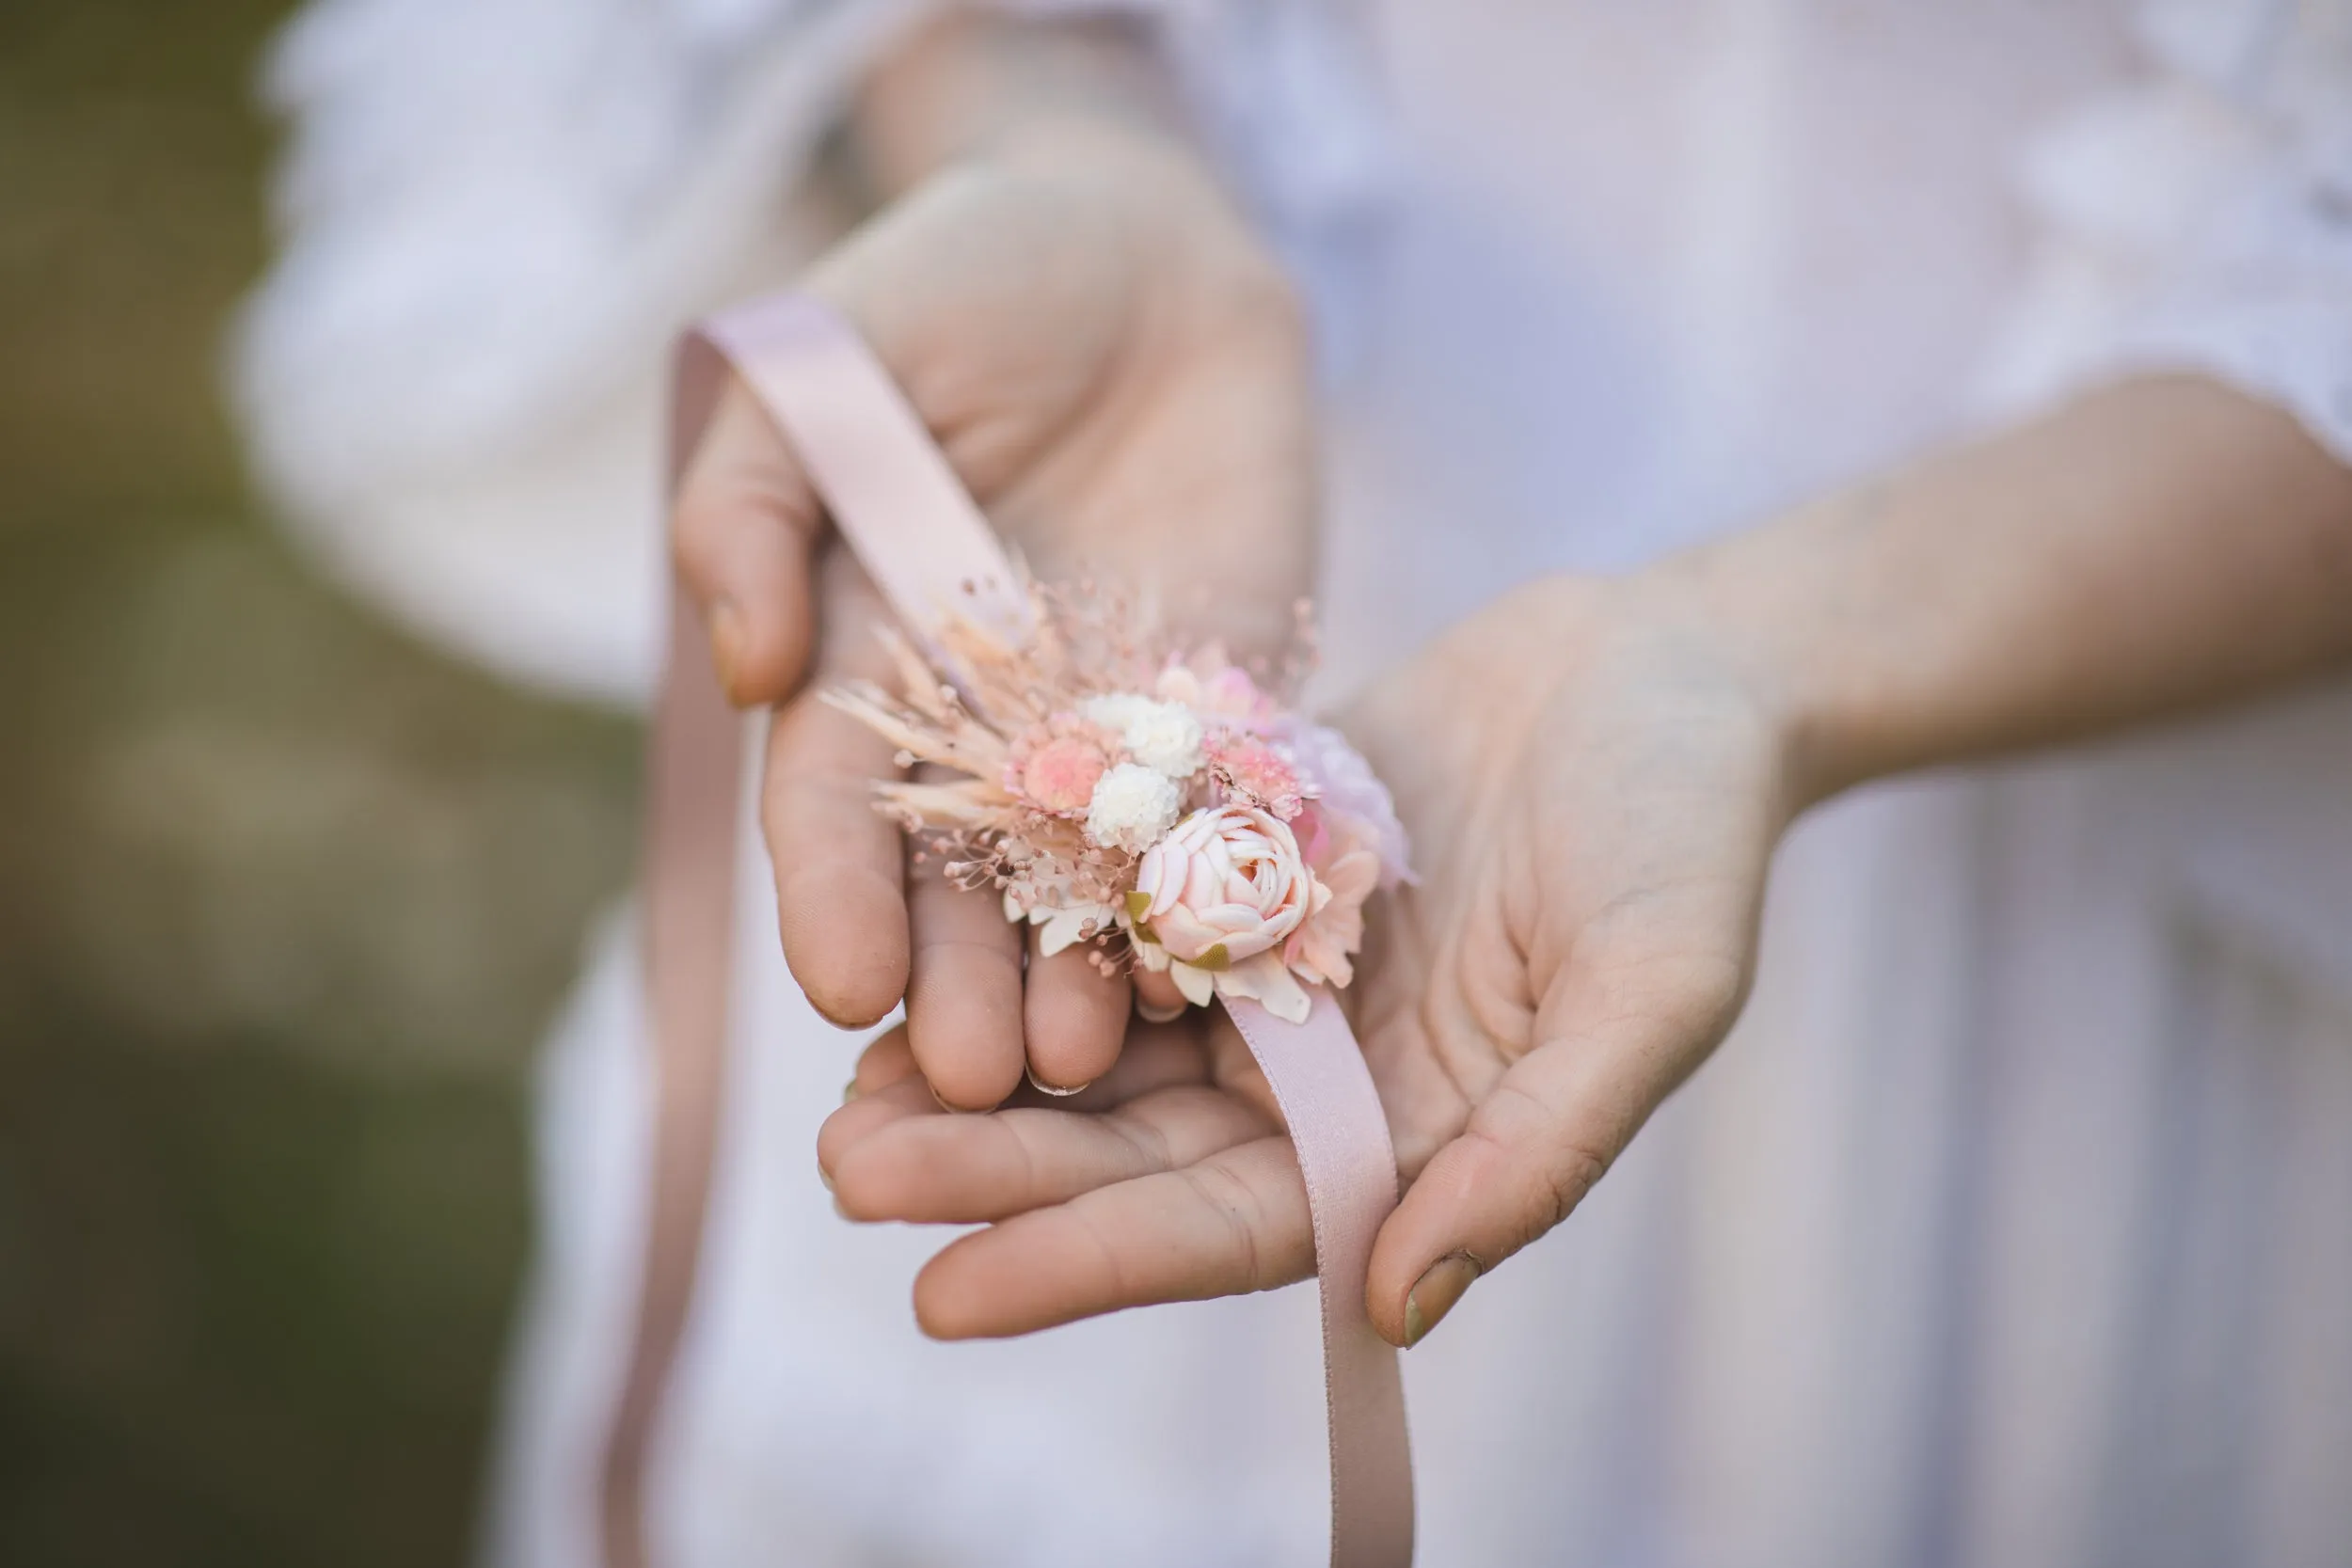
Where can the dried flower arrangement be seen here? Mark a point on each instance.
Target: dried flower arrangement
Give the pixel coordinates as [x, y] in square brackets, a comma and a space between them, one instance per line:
[1154, 799]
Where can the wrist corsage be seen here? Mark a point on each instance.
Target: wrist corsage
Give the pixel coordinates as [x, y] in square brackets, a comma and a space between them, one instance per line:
[1157, 801]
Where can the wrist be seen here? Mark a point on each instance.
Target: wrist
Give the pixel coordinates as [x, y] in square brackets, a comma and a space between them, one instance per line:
[1741, 615]
[970, 84]
[1803, 609]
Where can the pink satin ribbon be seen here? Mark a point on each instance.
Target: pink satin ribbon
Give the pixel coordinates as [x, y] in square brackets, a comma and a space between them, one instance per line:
[899, 505]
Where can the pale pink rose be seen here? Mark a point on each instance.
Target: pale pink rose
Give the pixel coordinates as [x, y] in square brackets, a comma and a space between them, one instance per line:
[1225, 884]
[1214, 688]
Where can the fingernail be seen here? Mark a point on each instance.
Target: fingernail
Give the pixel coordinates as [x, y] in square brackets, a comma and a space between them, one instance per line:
[726, 623]
[952, 1110]
[1042, 1086]
[826, 1177]
[850, 1093]
[1435, 1292]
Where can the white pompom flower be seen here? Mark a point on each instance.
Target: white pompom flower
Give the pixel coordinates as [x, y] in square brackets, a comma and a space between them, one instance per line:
[1116, 710]
[1164, 736]
[1133, 806]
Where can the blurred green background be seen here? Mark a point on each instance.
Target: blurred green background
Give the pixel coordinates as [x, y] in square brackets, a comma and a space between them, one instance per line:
[285, 900]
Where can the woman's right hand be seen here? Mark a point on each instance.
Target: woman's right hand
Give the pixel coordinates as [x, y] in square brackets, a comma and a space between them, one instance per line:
[1119, 371]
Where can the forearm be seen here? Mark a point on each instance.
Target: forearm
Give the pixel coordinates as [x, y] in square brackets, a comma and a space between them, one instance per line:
[2157, 546]
[969, 80]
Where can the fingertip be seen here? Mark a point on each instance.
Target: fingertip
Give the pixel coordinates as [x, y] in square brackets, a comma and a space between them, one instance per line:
[760, 645]
[741, 529]
[1430, 1223]
[969, 1045]
[1156, 996]
[1075, 1018]
[951, 1302]
[887, 1059]
[965, 1005]
[844, 928]
[845, 1130]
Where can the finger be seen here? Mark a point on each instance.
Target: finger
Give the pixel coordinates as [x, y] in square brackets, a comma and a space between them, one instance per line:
[1533, 1147]
[1076, 1014]
[963, 992]
[840, 895]
[1235, 1222]
[886, 1059]
[1154, 1056]
[1156, 996]
[860, 1118]
[1158, 1057]
[889, 1089]
[742, 533]
[962, 1170]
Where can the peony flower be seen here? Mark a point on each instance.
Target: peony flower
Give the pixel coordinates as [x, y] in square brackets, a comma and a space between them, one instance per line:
[1164, 736]
[1131, 807]
[1215, 899]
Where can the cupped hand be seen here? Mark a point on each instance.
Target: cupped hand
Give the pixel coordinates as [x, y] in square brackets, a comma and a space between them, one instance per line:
[1594, 789]
[1119, 373]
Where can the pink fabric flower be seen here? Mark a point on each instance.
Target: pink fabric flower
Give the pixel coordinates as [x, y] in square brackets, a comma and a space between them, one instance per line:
[1215, 690]
[1323, 946]
[1225, 884]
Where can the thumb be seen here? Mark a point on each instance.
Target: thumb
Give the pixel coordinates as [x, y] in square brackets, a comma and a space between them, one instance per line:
[747, 523]
[1537, 1144]
[743, 533]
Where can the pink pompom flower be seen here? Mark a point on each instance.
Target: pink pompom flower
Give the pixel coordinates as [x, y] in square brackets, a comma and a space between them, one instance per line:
[1054, 765]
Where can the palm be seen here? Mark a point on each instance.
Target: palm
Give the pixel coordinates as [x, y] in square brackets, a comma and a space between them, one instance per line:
[1591, 827]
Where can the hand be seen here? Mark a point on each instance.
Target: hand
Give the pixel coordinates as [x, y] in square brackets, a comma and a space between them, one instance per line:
[1119, 373]
[1595, 776]
[1594, 791]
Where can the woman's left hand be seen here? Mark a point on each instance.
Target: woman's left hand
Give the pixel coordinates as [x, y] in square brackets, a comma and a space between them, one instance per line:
[1593, 793]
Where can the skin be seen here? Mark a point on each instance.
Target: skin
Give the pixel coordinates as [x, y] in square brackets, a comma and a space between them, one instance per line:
[1596, 774]
[1119, 373]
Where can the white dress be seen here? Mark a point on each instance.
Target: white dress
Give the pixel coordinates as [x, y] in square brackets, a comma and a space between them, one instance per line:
[2014, 1226]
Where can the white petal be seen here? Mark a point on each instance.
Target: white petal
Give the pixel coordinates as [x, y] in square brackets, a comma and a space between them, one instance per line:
[1199, 985]
[1266, 980]
[1070, 926]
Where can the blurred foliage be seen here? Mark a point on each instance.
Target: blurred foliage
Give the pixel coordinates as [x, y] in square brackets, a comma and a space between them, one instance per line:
[284, 899]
